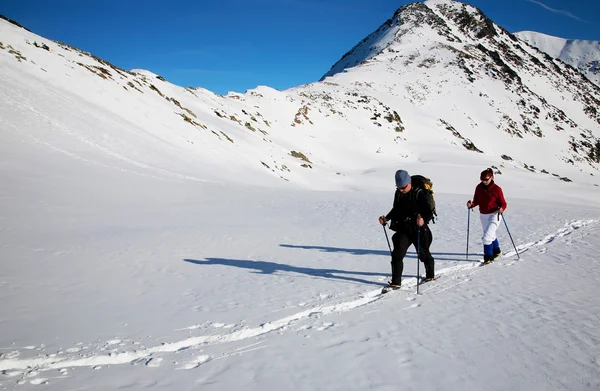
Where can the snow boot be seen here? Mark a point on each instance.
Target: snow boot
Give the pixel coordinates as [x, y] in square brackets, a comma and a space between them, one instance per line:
[487, 259]
[390, 287]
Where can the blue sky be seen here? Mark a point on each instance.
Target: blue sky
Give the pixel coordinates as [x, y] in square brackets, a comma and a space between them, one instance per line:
[235, 45]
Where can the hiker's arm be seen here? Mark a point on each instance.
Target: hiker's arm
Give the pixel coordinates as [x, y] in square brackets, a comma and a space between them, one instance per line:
[475, 201]
[423, 207]
[501, 201]
[390, 215]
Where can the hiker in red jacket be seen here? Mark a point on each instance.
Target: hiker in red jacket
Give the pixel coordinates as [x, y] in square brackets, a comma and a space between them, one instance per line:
[490, 199]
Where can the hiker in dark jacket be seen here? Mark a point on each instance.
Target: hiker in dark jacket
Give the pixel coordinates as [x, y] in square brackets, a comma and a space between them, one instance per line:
[490, 199]
[410, 210]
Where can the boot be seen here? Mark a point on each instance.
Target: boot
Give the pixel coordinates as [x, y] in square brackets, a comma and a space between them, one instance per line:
[390, 287]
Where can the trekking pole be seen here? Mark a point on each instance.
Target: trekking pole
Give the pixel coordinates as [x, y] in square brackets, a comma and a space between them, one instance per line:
[418, 262]
[390, 247]
[468, 228]
[386, 238]
[510, 236]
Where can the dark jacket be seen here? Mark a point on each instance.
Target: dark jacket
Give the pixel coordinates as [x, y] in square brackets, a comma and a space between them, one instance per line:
[406, 208]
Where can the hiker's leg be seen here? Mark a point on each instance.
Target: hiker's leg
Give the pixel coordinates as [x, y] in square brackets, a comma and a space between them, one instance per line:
[424, 253]
[401, 243]
[490, 224]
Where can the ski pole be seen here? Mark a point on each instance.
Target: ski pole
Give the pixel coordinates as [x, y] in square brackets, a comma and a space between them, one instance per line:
[386, 238]
[510, 236]
[390, 247]
[468, 228]
[418, 253]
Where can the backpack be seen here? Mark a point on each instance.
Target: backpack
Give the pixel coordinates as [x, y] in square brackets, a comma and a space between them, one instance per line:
[425, 185]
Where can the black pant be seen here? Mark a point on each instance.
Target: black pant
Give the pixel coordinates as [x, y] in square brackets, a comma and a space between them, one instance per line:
[402, 240]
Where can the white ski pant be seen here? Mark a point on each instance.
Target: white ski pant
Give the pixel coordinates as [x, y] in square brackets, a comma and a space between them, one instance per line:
[490, 223]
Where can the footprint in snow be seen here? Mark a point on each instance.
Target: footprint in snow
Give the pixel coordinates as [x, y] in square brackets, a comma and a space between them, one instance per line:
[415, 305]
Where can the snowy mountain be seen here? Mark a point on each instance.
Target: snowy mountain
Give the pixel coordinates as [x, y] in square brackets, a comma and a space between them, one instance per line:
[581, 54]
[444, 53]
[438, 73]
[168, 238]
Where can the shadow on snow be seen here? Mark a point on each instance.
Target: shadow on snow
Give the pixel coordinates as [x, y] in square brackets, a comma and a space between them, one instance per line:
[264, 267]
[460, 257]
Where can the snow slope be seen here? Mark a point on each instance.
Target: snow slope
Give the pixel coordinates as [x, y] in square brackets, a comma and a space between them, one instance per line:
[581, 54]
[148, 242]
[114, 279]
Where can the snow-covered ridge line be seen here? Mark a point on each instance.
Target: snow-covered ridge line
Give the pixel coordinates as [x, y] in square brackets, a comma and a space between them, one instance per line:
[583, 55]
[439, 73]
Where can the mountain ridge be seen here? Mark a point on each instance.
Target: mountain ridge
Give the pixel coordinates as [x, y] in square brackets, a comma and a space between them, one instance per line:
[446, 78]
[583, 55]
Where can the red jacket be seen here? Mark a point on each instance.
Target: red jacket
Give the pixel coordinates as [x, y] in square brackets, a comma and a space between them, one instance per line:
[489, 198]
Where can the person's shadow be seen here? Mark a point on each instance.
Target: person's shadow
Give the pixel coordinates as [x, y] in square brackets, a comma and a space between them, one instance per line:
[460, 257]
[264, 267]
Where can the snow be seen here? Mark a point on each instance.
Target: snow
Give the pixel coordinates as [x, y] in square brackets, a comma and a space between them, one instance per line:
[579, 53]
[139, 251]
[546, 43]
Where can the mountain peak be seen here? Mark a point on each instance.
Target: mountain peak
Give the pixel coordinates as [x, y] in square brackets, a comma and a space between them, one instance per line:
[470, 20]
[430, 22]
[443, 53]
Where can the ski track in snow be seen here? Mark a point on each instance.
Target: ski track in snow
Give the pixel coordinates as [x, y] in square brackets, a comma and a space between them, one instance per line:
[27, 370]
[568, 229]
